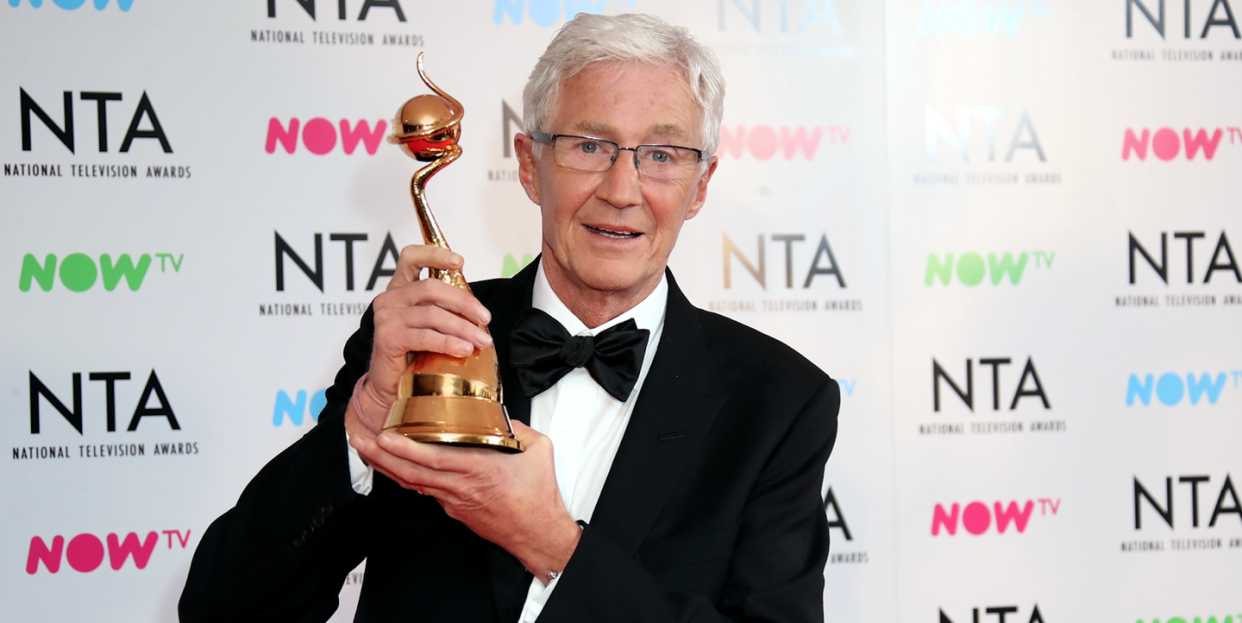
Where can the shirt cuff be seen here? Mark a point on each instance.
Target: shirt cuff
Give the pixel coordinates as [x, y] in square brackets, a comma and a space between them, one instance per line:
[360, 474]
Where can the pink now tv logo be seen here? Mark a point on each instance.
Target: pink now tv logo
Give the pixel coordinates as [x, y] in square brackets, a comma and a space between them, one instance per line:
[1166, 143]
[763, 142]
[977, 518]
[85, 552]
[320, 136]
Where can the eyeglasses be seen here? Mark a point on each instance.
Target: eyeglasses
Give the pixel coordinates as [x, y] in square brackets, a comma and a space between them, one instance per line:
[581, 153]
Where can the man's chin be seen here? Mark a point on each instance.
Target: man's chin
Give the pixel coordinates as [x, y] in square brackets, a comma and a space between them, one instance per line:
[612, 276]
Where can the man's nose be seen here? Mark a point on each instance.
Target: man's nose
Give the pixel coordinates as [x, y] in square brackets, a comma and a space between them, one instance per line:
[621, 185]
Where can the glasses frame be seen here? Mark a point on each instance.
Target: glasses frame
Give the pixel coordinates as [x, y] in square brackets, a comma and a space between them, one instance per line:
[550, 139]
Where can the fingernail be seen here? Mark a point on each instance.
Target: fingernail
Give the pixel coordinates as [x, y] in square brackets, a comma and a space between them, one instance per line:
[463, 350]
[484, 338]
[457, 259]
[485, 315]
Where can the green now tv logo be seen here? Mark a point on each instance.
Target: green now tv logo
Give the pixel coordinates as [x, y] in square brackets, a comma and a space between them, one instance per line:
[971, 269]
[79, 272]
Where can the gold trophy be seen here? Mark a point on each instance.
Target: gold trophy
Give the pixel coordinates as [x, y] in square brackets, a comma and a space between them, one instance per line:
[441, 398]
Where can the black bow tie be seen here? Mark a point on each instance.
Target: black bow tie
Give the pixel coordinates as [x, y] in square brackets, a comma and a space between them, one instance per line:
[543, 352]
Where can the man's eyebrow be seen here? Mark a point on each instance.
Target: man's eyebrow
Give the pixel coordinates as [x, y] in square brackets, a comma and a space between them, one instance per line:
[592, 127]
[670, 130]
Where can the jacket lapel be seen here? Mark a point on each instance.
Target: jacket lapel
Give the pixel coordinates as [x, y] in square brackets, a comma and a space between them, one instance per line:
[675, 409]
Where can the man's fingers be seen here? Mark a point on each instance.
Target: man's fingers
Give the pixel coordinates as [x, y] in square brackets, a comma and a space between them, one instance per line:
[392, 459]
[429, 328]
[439, 458]
[438, 293]
[415, 258]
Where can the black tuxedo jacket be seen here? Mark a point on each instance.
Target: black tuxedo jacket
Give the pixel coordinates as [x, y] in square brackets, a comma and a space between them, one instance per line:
[711, 510]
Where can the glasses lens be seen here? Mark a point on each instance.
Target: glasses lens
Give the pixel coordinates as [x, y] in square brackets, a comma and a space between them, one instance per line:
[666, 162]
[584, 154]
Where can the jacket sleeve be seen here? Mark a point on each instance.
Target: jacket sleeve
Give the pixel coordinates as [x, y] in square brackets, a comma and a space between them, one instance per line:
[777, 565]
[283, 552]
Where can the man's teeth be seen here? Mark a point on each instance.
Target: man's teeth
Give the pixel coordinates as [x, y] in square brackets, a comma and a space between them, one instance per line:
[614, 234]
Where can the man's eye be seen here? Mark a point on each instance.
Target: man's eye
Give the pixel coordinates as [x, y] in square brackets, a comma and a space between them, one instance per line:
[588, 147]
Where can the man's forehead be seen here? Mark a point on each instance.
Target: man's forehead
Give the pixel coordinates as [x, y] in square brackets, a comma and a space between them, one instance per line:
[669, 130]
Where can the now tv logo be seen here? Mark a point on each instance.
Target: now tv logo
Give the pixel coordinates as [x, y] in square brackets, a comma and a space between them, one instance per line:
[73, 5]
[1166, 144]
[320, 136]
[976, 517]
[296, 408]
[763, 142]
[85, 552]
[967, 18]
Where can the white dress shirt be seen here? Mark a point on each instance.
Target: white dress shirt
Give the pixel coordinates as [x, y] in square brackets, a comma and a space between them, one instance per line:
[583, 421]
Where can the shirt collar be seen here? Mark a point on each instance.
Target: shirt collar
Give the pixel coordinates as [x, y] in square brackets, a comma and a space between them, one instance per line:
[648, 314]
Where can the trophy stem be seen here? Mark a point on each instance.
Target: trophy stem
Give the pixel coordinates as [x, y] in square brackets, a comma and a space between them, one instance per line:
[432, 234]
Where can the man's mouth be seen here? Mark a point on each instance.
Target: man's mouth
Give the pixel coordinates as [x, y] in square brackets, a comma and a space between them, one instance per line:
[618, 235]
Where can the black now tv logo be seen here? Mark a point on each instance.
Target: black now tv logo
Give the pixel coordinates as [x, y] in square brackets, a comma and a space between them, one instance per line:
[66, 130]
[1028, 386]
[388, 251]
[153, 390]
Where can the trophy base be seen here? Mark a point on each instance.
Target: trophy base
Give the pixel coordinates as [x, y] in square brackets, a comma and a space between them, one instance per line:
[453, 420]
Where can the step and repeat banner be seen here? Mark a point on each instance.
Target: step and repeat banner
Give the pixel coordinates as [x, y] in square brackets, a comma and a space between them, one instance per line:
[1003, 227]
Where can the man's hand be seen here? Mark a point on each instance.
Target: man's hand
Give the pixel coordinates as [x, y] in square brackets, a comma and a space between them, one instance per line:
[511, 500]
[415, 314]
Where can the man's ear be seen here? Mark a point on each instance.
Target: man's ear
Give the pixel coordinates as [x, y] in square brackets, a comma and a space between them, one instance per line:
[701, 192]
[524, 146]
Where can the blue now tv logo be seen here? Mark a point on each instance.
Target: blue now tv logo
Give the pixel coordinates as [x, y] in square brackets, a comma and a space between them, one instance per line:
[296, 408]
[72, 5]
[549, 12]
[1170, 390]
[968, 18]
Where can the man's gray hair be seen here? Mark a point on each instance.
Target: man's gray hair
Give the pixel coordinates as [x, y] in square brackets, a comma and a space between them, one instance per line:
[630, 37]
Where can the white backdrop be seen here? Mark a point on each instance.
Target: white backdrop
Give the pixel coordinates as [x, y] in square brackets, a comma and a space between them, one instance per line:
[1019, 208]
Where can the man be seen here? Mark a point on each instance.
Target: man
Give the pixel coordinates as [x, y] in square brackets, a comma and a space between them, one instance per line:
[689, 491]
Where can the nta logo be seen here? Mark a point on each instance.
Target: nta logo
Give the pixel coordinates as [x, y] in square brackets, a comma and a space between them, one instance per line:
[968, 396]
[1225, 263]
[388, 250]
[1000, 612]
[967, 18]
[971, 268]
[813, 11]
[78, 272]
[836, 519]
[73, 5]
[977, 517]
[367, 5]
[1166, 510]
[296, 410]
[65, 134]
[763, 142]
[1157, 21]
[1024, 136]
[823, 263]
[1166, 144]
[1170, 389]
[74, 416]
[548, 12]
[85, 552]
[319, 136]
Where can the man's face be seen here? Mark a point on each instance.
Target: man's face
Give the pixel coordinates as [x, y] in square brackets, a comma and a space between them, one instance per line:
[611, 232]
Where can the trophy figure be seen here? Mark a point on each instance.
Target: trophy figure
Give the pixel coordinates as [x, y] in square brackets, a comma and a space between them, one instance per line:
[441, 398]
